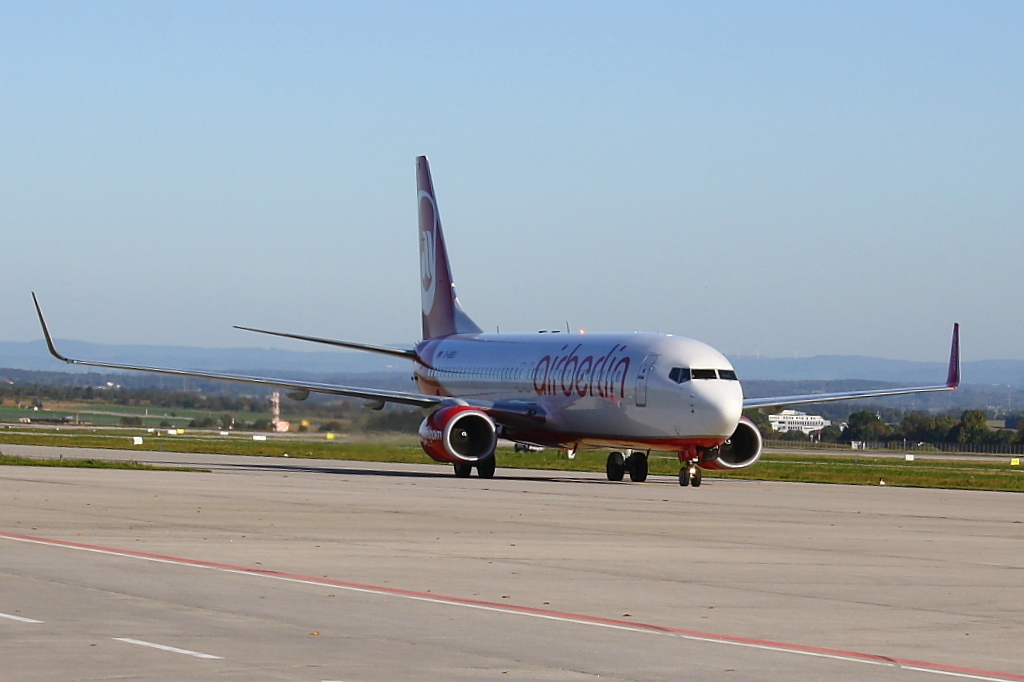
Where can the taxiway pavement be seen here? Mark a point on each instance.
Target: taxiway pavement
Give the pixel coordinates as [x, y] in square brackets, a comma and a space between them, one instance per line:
[293, 569]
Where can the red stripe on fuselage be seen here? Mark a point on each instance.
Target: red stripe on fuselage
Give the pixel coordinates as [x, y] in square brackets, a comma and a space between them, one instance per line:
[555, 439]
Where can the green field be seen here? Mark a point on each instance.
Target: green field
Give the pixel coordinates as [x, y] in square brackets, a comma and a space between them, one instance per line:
[861, 470]
[110, 415]
[922, 473]
[11, 460]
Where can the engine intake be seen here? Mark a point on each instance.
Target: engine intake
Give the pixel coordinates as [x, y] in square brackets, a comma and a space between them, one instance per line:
[458, 434]
[742, 450]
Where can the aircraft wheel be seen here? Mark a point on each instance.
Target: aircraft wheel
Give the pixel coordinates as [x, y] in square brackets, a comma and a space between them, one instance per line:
[485, 467]
[462, 470]
[695, 479]
[684, 476]
[615, 466]
[637, 464]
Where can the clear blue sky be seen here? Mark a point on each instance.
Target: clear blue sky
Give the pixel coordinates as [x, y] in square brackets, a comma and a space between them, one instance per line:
[775, 178]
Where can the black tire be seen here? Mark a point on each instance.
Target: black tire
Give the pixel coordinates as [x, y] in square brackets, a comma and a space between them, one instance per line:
[462, 470]
[485, 467]
[695, 479]
[615, 467]
[684, 476]
[637, 464]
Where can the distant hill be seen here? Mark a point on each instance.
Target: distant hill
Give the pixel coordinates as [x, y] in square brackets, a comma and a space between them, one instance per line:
[33, 355]
[840, 367]
[1000, 398]
[991, 384]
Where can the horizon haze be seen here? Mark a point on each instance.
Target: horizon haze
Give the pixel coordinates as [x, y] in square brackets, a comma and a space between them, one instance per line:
[33, 356]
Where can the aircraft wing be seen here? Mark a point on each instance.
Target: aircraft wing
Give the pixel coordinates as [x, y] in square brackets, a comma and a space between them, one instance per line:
[517, 414]
[400, 397]
[384, 350]
[952, 381]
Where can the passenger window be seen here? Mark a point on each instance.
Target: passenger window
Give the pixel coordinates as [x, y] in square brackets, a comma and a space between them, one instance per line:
[703, 374]
[679, 374]
[727, 374]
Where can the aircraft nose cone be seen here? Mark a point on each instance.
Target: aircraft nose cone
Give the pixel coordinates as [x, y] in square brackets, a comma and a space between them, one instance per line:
[722, 409]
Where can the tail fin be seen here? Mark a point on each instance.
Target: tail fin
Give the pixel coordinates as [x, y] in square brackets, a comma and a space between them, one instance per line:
[442, 314]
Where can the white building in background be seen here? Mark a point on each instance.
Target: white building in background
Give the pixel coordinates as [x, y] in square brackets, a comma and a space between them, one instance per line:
[792, 420]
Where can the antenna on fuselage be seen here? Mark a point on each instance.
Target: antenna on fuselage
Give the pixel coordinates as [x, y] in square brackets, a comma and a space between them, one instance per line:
[567, 327]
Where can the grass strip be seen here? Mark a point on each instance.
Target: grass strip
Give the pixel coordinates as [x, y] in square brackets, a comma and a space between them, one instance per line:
[383, 449]
[947, 474]
[961, 474]
[13, 460]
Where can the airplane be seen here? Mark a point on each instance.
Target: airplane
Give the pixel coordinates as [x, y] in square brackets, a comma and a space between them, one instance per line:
[635, 393]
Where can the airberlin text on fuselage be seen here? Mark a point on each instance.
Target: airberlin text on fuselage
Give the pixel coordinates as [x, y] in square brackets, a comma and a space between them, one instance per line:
[604, 376]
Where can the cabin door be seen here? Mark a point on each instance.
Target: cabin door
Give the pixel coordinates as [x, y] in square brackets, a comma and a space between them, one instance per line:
[641, 378]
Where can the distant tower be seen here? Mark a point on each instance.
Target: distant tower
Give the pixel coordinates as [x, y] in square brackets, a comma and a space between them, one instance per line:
[280, 426]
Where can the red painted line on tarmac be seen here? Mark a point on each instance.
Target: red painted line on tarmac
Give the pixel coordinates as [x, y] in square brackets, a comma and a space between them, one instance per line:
[769, 645]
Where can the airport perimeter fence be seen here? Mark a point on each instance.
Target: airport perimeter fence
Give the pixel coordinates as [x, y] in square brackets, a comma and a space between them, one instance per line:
[904, 446]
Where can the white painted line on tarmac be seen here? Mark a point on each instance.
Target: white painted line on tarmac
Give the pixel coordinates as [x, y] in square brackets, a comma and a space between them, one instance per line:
[509, 609]
[19, 618]
[951, 673]
[164, 647]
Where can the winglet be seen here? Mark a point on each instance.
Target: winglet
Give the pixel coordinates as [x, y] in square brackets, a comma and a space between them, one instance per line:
[46, 333]
[953, 377]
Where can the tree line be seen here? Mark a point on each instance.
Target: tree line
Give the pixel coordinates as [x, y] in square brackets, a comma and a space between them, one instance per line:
[883, 424]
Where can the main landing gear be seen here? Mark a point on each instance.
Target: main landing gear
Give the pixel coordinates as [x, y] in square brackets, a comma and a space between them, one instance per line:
[617, 466]
[484, 468]
[636, 464]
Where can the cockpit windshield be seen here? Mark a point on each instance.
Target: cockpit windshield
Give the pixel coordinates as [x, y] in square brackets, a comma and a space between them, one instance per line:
[679, 374]
[683, 374]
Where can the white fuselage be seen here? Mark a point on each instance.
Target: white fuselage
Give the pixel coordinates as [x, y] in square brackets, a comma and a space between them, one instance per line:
[620, 390]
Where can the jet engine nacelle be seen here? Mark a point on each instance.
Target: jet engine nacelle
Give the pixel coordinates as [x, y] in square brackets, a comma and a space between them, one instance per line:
[458, 434]
[742, 450]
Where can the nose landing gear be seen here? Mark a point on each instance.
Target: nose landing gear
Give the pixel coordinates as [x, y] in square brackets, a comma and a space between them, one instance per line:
[690, 474]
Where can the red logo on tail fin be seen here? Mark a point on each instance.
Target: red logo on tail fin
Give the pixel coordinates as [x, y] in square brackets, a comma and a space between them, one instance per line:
[428, 250]
[441, 312]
